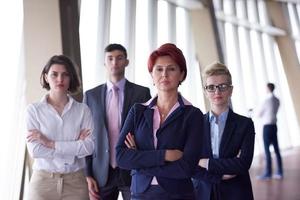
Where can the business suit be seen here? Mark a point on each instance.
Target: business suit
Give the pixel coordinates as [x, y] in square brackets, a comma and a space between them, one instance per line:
[238, 136]
[97, 165]
[181, 130]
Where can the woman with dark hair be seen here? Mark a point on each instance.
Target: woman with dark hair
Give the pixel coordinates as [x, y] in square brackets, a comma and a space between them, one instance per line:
[58, 136]
[160, 139]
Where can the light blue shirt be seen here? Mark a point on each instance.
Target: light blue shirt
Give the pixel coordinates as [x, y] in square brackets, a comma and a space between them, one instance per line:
[217, 125]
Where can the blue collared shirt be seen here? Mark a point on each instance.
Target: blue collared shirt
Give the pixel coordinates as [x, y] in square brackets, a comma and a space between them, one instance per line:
[217, 125]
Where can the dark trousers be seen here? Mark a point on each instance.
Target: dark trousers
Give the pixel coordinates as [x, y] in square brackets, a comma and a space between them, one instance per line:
[214, 195]
[270, 137]
[114, 185]
[155, 192]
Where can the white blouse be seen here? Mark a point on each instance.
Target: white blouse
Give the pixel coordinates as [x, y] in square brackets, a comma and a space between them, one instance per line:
[69, 153]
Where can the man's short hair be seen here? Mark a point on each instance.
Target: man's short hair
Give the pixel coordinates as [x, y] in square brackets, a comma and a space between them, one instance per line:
[114, 46]
[271, 86]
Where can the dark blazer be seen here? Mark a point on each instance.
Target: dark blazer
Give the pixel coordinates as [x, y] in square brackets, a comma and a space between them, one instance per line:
[181, 130]
[97, 165]
[238, 136]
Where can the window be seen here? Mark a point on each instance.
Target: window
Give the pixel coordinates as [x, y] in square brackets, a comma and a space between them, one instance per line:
[12, 105]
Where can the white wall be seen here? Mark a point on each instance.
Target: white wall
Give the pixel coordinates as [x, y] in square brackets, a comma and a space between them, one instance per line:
[42, 39]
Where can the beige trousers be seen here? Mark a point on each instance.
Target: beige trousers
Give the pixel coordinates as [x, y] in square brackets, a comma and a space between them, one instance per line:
[54, 186]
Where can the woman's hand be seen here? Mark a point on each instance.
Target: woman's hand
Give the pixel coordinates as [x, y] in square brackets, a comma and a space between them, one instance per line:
[93, 188]
[203, 162]
[173, 155]
[84, 133]
[36, 136]
[227, 176]
[130, 142]
[230, 176]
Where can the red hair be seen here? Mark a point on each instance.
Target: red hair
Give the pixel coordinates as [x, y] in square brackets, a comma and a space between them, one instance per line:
[171, 50]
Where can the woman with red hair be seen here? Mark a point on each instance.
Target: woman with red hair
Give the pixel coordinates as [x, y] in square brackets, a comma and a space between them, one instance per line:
[160, 139]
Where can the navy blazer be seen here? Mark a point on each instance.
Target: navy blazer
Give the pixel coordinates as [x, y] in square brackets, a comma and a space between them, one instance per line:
[97, 165]
[181, 130]
[238, 136]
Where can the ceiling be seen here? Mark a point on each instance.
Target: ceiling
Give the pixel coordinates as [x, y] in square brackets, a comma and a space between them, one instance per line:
[189, 4]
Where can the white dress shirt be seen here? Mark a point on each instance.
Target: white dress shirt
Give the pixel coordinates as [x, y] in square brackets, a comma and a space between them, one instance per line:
[269, 109]
[69, 153]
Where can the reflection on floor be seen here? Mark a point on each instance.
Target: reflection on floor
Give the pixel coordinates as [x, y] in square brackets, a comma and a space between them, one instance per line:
[286, 189]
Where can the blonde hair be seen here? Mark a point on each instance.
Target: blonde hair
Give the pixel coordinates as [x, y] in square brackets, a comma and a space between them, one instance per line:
[214, 69]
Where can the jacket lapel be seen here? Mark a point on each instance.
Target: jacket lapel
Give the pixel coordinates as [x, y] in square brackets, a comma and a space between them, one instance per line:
[178, 112]
[128, 93]
[207, 136]
[228, 132]
[148, 115]
[102, 103]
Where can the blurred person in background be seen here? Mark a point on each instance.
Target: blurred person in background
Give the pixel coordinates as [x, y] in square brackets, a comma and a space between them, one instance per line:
[267, 112]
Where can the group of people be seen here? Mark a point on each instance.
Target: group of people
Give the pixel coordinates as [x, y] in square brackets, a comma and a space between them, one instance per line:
[122, 140]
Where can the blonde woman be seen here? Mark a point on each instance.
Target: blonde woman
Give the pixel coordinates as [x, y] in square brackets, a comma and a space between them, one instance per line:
[229, 140]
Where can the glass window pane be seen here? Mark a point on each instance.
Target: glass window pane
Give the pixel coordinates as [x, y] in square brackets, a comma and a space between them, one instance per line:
[162, 23]
[117, 22]
[185, 43]
[12, 105]
[294, 21]
[142, 46]
[88, 30]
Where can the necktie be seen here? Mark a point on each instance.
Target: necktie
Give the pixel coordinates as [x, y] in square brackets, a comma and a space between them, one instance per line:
[113, 124]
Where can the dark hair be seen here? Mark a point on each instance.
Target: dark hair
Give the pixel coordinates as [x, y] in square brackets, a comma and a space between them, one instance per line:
[113, 47]
[171, 50]
[271, 86]
[70, 67]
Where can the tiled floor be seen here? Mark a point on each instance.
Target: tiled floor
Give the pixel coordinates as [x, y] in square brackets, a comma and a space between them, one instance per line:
[286, 189]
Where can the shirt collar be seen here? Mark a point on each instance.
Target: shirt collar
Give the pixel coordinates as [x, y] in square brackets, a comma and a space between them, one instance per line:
[68, 105]
[181, 100]
[120, 84]
[222, 117]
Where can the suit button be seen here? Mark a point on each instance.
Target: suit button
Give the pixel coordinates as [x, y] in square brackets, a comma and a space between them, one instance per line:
[106, 150]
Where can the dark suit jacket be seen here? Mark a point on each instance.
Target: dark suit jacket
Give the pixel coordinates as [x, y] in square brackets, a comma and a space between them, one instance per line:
[238, 136]
[181, 130]
[97, 165]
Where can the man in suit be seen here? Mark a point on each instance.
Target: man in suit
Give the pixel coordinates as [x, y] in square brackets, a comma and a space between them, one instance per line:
[223, 171]
[109, 104]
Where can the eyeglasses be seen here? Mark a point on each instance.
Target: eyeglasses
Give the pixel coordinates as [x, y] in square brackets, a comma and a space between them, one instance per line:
[221, 87]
